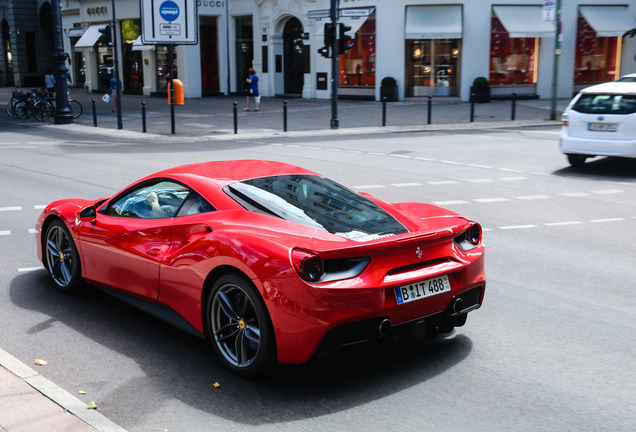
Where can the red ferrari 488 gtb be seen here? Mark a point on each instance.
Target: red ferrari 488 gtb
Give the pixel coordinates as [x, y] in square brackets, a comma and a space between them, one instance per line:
[269, 261]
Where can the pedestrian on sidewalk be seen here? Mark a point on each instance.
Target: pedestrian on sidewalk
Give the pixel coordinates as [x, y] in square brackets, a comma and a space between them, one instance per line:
[49, 81]
[113, 90]
[252, 90]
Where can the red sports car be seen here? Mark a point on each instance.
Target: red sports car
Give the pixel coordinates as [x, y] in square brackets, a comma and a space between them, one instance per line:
[267, 260]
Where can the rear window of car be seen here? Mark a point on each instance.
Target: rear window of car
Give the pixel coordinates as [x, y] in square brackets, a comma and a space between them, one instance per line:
[316, 202]
[594, 103]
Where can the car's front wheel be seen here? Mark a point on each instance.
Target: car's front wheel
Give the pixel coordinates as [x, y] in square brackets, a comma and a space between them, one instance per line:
[61, 258]
[240, 329]
[576, 160]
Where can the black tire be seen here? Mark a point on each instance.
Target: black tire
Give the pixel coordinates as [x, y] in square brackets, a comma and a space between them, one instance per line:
[576, 160]
[61, 258]
[11, 109]
[76, 108]
[240, 330]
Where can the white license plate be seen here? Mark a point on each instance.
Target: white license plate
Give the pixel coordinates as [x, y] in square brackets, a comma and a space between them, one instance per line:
[602, 127]
[423, 289]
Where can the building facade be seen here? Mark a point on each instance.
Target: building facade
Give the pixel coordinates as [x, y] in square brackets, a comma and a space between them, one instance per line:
[430, 47]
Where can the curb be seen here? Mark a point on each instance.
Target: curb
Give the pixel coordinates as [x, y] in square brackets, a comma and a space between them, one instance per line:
[123, 133]
[56, 394]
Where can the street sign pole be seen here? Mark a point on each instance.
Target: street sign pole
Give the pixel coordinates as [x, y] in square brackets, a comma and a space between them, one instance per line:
[171, 92]
[117, 79]
[334, 67]
[557, 54]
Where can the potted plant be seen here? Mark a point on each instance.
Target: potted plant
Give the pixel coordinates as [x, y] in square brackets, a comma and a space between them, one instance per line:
[480, 90]
[389, 89]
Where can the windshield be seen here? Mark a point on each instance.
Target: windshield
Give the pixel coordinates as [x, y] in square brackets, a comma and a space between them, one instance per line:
[316, 202]
[595, 103]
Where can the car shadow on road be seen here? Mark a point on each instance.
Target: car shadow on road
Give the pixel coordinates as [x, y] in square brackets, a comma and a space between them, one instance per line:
[177, 366]
[603, 168]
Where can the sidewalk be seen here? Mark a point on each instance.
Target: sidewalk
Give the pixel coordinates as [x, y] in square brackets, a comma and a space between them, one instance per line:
[211, 118]
[31, 403]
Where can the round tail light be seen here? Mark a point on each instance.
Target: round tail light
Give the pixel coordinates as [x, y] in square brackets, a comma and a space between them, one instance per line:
[309, 266]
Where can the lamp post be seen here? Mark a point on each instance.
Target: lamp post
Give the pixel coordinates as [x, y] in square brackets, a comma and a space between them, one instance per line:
[117, 79]
[63, 114]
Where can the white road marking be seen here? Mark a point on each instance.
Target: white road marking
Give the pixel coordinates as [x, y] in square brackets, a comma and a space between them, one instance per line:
[14, 208]
[531, 197]
[607, 220]
[442, 182]
[32, 231]
[28, 269]
[452, 162]
[406, 184]
[479, 181]
[39, 206]
[400, 156]
[368, 187]
[574, 194]
[510, 170]
[513, 178]
[7, 232]
[511, 227]
[480, 166]
[607, 191]
[453, 202]
[425, 159]
[490, 200]
[563, 223]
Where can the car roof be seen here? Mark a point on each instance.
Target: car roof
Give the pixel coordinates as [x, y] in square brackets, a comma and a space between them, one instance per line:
[233, 170]
[612, 88]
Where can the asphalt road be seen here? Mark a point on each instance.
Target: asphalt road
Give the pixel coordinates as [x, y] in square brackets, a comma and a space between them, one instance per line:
[552, 348]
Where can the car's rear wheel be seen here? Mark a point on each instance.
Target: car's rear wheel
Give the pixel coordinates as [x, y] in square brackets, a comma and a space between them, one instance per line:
[61, 258]
[576, 160]
[240, 329]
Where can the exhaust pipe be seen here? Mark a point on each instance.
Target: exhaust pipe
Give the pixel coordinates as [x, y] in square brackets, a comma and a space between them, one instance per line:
[385, 327]
[457, 305]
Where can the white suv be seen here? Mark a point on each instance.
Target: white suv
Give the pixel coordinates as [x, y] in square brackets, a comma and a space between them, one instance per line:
[600, 121]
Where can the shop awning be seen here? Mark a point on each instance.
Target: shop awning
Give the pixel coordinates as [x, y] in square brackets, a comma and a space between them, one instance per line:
[433, 22]
[608, 21]
[524, 21]
[90, 37]
[139, 46]
[76, 32]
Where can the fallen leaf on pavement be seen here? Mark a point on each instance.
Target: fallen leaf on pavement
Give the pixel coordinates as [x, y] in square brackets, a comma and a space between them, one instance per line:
[216, 385]
[82, 392]
[40, 362]
[92, 405]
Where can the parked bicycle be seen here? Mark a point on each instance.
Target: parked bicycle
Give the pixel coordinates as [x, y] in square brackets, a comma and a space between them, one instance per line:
[38, 104]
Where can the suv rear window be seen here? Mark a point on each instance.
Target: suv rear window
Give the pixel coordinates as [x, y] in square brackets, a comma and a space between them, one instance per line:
[595, 103]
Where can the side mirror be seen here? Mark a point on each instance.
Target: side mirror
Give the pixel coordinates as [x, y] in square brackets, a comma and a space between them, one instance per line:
[86, 215]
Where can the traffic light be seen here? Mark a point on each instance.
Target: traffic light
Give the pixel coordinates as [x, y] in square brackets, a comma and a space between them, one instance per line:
[106, 34]
[330, 34]
[344, 40]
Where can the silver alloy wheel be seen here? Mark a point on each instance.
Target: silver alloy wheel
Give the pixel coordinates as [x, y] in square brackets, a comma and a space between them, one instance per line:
[235, 325]
[60, 256]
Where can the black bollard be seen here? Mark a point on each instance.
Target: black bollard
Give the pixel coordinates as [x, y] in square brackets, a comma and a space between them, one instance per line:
[472, 107]
[284, 116]
[384, 111]
[94, 113]
[143, 117]
[430, 108]
[514, 106]
[235, 118]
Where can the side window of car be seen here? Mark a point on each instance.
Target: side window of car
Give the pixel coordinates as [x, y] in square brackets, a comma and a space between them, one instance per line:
[195, 204]
[152, 201]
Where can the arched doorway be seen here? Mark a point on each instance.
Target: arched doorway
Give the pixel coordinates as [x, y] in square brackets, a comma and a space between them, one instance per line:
[294, 53]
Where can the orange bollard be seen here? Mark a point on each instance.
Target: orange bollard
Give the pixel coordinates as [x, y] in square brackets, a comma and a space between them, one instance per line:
[178, 92]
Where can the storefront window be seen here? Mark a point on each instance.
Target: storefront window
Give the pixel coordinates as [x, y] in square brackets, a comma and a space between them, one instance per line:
[163, 68]
[512, 60]
[357, 65]
[105, 64]
[432, 66]
[595, 57]
[133, 79]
